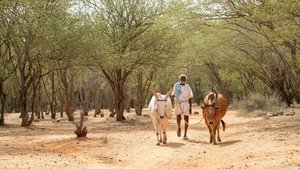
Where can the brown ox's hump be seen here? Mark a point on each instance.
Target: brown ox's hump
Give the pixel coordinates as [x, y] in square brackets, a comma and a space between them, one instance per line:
[223, 105]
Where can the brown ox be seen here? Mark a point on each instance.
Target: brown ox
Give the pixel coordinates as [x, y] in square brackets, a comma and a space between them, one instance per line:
[213, 109]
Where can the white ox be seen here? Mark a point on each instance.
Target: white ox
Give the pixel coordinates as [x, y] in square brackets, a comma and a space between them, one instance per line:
[160, 108]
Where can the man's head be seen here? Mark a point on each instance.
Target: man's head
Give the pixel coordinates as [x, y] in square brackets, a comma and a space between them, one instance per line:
[183, 78]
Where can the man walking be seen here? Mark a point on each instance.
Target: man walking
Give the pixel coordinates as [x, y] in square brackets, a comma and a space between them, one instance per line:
[183, 103]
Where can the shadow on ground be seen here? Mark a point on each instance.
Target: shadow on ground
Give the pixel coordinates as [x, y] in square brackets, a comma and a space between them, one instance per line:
[228, 143]
[173, 145]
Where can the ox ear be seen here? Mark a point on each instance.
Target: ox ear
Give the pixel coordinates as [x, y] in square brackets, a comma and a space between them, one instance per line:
[203, 106]
[154, 91]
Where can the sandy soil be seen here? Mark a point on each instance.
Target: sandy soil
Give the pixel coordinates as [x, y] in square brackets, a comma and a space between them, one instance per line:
[248, 142]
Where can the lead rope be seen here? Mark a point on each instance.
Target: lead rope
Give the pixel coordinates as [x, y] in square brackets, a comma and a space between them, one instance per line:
[179, 108]
[195, 123]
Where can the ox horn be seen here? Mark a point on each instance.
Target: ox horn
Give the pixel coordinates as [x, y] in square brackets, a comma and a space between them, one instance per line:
[154, 91]
[169, 92]
[216, 96]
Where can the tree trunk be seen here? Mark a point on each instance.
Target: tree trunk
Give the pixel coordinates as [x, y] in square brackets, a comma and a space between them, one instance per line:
[139, 95]
[2, 111]
[3, 98]
[98, 105]
[281, 85]
[295, 70]
[68, 107]
[296, 85]
[119, 102]
[199, 93]
[23, 107]
[67, 94]
[142, 89]
[62, 103]
[119, 108]
[139, 109]
[26, 76]
[84, 95]
[39, 108]
[117, 84]
[23, 103]
[35, 87]
[119, 95]
[53, 98]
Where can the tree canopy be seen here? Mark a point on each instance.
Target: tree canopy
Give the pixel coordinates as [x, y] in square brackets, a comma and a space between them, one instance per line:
[49, 48]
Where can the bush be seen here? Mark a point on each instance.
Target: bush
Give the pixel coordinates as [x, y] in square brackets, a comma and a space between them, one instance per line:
[259, 102]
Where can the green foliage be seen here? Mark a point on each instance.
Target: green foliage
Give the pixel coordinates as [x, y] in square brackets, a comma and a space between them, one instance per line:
[257, 101]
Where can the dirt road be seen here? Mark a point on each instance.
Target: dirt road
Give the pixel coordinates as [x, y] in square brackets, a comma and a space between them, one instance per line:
[247, 143]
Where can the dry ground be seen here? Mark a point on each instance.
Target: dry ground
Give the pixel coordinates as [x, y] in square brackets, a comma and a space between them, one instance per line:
[248, 142]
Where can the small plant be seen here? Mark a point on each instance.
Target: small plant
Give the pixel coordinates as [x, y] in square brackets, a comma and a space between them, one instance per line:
[81, 130]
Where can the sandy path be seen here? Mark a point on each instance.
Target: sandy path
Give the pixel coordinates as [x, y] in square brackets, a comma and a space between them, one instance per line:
[247, 143]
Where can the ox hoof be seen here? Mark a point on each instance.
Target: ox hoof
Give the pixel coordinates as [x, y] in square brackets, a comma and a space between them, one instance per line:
[158, 143]
[164, 142]
[212, 142]
[179, 132]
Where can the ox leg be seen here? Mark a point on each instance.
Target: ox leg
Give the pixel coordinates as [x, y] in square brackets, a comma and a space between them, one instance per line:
[164, 137]
[214, 135]
[218, 135]
[157, 138]
[218, 131]
[157, 132]
[164, 130]
[211, 139]
[210, 133]
[160, 136]
[161, 132]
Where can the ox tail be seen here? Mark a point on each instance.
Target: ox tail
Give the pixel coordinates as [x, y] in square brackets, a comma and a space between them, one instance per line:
[223, 124]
